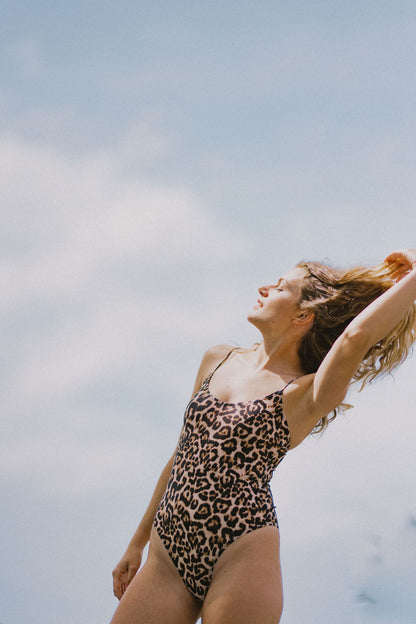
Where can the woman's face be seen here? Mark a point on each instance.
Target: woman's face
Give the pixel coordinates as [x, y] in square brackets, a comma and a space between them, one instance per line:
[278, 302]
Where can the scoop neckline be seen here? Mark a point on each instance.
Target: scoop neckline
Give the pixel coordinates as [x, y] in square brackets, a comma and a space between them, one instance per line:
[268, 396]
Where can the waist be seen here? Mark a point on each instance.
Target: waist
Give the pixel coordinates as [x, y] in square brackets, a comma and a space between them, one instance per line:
[202, 478]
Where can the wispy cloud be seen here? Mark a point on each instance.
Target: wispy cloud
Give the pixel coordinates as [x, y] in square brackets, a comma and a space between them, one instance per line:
[385, 577]
[93, 264]
[154, 168]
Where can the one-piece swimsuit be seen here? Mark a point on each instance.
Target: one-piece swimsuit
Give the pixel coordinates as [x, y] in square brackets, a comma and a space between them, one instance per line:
[219, 489]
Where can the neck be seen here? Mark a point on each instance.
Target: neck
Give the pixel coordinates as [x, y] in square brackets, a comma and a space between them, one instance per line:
[280, 356]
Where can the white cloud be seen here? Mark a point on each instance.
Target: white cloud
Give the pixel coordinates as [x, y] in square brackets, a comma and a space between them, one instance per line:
[60, 466]
[97, 271]
[145, 140]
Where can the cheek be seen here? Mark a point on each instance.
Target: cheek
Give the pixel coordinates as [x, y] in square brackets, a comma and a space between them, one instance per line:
[285, 308]
[290, 302]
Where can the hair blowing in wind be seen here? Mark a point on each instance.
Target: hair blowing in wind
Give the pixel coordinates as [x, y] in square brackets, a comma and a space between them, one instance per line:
[336, 297]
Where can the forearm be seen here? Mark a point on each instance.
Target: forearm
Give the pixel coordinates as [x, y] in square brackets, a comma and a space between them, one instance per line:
[381, 316]
[142, 534]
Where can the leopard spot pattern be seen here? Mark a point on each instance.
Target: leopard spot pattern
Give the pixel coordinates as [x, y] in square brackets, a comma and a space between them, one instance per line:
[218, 489]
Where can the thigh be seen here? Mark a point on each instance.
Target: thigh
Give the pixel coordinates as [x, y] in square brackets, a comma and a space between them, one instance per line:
[246, 585]
[157, 593]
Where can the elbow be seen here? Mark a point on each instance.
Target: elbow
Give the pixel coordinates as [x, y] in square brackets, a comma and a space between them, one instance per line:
[357, 337]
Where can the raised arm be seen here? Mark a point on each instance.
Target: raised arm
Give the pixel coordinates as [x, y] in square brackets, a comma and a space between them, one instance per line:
[129, 564]
[330, 384]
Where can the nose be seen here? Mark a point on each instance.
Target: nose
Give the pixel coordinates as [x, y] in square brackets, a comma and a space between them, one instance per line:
[264, 290]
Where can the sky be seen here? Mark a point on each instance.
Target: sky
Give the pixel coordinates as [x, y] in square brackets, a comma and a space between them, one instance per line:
[158, 162]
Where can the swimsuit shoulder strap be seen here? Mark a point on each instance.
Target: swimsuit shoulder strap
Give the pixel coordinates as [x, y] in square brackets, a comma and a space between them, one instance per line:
[222, 361]
[289, 382]
[207, 380]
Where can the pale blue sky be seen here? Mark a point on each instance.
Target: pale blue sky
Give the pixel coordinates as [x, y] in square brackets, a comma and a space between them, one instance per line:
[159, 161]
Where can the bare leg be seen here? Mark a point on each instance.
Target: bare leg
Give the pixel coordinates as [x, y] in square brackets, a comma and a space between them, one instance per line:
[157, 594]
[246, 586]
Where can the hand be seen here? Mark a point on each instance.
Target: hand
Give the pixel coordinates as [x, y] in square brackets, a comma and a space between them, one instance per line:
[404, 259]
[126, 569]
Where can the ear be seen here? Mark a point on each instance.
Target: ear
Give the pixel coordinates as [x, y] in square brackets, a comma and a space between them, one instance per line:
[303, 317]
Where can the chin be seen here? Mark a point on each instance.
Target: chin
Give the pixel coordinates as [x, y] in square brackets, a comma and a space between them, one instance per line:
[252, 317]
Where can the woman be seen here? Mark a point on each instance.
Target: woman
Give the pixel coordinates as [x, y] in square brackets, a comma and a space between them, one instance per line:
[214, 538]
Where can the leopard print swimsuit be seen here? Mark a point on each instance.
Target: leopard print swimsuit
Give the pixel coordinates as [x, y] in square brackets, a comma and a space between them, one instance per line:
[218, 489]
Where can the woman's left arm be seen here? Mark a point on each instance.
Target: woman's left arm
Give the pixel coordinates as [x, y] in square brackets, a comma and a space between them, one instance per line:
[374, 323]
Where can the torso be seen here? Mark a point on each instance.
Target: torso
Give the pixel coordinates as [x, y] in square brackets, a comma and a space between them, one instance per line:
[218, 489]
[237, 381]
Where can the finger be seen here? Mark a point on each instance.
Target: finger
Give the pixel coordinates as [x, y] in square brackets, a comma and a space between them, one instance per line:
[131, 574]
[400, 269]
[396, 256]
[117, 584]
[399, 273]
[117, 589]
[401, 256]
[395, 260]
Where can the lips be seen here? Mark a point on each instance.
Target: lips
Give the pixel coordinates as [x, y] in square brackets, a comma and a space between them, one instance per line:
[259, 303]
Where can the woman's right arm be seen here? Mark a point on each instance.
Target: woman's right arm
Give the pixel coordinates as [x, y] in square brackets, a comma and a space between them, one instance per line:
[129, 564]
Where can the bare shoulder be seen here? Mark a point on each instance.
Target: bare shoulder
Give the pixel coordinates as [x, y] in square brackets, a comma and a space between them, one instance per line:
[299, 386]
[213, 356]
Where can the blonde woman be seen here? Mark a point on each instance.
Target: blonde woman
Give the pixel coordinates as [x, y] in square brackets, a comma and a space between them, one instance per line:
[212, 525]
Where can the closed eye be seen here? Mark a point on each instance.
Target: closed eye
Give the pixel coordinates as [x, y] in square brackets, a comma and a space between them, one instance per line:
[280, 285]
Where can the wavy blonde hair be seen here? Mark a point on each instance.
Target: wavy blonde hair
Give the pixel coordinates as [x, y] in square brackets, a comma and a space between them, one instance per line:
[336, 297]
